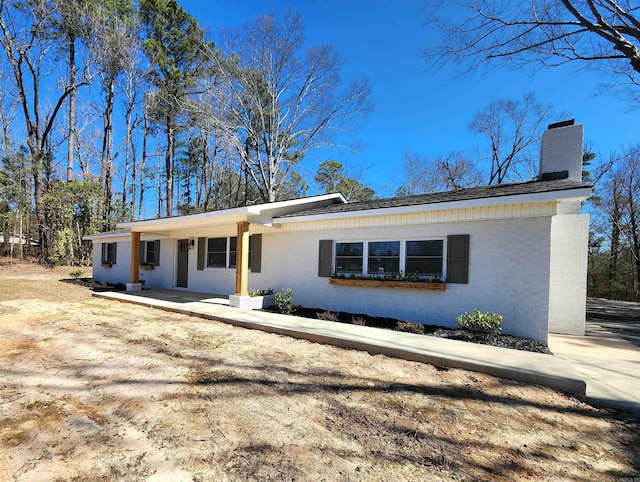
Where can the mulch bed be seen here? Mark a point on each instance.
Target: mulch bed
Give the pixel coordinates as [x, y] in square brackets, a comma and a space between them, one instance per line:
[493, 339]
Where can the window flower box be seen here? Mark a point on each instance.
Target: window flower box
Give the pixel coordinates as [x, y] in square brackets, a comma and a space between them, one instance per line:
[381, 283]
[148, 267]
[107, 265]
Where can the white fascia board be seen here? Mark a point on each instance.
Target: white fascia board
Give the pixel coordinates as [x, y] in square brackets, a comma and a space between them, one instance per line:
[180, 221]
[581, 194]
[107, 236]
[124, 236]
[223, 216]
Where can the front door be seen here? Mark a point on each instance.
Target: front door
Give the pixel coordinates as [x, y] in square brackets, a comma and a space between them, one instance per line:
[183, 263]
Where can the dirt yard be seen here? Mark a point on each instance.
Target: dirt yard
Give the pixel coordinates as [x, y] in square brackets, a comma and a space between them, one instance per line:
[96, 390]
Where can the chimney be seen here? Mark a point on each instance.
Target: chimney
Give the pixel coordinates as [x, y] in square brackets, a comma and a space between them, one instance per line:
[561, 152]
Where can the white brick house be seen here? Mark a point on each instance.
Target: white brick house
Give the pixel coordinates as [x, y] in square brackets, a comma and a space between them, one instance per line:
[518, 249]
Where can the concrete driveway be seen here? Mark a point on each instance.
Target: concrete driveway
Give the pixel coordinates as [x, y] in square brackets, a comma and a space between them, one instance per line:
[608, 356]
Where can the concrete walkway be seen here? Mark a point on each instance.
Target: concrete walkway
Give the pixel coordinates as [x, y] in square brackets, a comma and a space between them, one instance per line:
[609, 364]
[516, 365]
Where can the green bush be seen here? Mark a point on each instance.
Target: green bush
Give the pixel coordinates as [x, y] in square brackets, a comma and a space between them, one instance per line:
[478, 322]
[76, 273]
[284, 301]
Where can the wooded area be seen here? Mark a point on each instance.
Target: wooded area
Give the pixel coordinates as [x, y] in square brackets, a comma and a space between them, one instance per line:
[109, 105]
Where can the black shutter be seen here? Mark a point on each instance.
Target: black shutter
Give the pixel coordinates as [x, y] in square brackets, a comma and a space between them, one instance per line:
[256, 253]
[104, 249]
[115, 250]
[458, 258]
[156, 252]
[324, 258]
[201, 252]
[142, 254]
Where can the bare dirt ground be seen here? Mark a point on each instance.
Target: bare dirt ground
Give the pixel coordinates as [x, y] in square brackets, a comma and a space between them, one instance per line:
[97, 390]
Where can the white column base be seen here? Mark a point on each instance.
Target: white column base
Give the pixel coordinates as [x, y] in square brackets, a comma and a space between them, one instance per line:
[134, 287]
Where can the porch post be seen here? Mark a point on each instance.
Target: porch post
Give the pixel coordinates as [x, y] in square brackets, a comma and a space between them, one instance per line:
[134, 273]
[242, 259]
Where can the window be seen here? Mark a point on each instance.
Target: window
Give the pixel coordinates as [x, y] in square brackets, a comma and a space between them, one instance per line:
[384, 257]
[150, 253]
[349, 258]
[424, 258]
[222, 252]
[217, 253]
[109, 253]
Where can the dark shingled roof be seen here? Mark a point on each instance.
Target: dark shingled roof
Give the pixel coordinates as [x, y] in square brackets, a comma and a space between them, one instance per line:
[498, 190]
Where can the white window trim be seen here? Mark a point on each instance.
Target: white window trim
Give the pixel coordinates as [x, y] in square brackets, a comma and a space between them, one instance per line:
[403, 253]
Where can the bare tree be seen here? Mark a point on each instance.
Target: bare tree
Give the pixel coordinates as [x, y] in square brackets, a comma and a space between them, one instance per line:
[22, 43]
[275, 104]
[512, 129]
[599, 33]
[448, 172]
[116, 48]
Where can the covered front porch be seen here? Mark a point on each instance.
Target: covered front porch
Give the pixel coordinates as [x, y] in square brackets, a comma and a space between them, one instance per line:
[240, 296]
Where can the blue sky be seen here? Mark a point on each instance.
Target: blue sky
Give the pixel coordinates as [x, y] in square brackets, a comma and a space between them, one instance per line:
[417, 107]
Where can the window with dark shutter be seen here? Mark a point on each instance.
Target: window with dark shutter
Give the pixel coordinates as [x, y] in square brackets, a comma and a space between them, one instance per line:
[109, 253]
[458, 258]
[324, 258]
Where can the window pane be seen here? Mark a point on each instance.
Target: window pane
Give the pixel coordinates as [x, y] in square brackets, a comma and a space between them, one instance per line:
[109, 253]
[384, 265]
[349, 265]
[216, 260]
[233, 242]
[149, 251]
[217, 244]
[348, 249]
[386, 248]
[428, 266]
[424, 248]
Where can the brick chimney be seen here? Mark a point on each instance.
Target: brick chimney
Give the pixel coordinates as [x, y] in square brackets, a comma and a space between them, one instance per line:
[561, 151]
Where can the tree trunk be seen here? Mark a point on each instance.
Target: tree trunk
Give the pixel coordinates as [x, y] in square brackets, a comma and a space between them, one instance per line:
[71, 142]
[615, 239]
[143, 161]
[105, 162]
[168, 166]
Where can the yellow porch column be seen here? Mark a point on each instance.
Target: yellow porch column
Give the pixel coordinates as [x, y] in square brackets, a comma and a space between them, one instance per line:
[242, 259]
[134, 273]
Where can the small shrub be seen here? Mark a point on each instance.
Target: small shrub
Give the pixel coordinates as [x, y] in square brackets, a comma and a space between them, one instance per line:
[327, 316]
[76, 273]
[478, 322]
[409, 327]
[284, 301]
[356, 320]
